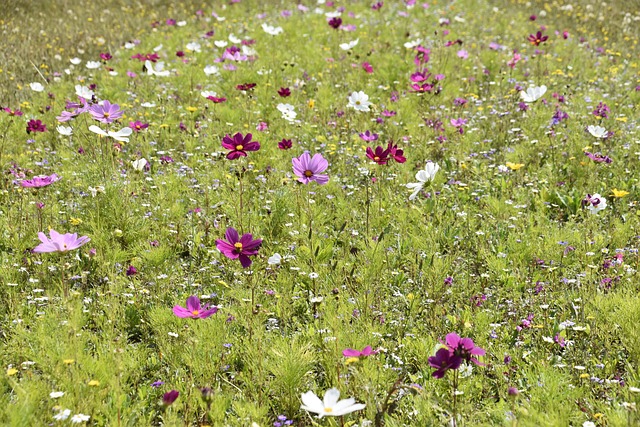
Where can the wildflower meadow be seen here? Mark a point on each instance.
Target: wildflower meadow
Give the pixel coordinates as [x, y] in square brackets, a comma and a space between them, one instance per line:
[320, 213]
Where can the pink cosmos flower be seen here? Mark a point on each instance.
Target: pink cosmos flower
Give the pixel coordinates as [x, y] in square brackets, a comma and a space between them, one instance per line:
[194, 310]
[236, 247]
[59, 242]
[308, 168]
[40, 181]
[367, 351]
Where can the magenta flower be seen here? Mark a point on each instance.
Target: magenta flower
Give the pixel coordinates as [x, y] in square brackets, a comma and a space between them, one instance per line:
[396, 153]
[40, 181]
[285, 144]
[137, 126]
[536, 39]
[239, 145]
[194, 310]
[368, 136]
[308, 168]
[106, 113]
[11, 112]
[239, 247]
[464, 348]
[380, 155]
[367, 351]
[169, 397]
[59, 242]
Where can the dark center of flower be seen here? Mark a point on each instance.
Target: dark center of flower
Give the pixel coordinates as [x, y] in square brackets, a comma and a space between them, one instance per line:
[106, 115]
[308, 173]
[238, 247]
[239, 147]
[195, 312]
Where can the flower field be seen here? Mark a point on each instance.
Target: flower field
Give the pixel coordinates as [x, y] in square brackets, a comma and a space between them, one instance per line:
[320, 213]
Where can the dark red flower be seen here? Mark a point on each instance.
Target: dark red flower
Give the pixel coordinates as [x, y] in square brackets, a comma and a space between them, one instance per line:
[216, 100]
[537, 38]
[36, 126]
[246, 86]
[285, 144]
[284, 92]
[335, 23]
[239, 145]
[379, 155]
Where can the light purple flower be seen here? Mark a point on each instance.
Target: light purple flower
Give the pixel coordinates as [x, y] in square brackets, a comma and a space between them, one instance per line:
[106, 113]
[308, 168]
[40, 181]
[59, 242]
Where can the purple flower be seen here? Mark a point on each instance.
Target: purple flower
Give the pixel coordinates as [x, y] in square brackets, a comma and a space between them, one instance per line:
[106, 113]
[59, 242]
[368, 136]
[157, 384]
[237, 247]
[194, 310]
[40, 181]
[464, 348]
[239, 145]
[308, 168]
[285, 144]
[443, 361]
[169, 397]
[137, 126]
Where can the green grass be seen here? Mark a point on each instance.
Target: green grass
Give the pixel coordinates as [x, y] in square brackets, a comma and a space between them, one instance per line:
[362, 265]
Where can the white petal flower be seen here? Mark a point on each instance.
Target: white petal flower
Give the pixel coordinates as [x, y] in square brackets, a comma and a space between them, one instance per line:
[275, 259]
[359, 101]
[139, 164]
[65, 130]
[596, 203]
[208, 93]
[36, 87]
[62, 415]
[121, 135]
[234, 39]
[350, 45]
[423, 176]
[84, 92]
[288, 112]
[271, 30]
[331, 406]
[211, 69]
[75, 61]
[221, 43]
[92, 65]
[80, 418]
[56, 394]
[597, 131]
[194, 46]
[156, 70]
[533, 93]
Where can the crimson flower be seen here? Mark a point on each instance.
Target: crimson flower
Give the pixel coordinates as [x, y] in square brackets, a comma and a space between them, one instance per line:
[285, 144]
[335, 23]
[396, 153]
[284, 92]
[537, 38]
[379, 155]
[216, 100]
[246, 86]
[236, 247]
[239, 145]
[36, 126]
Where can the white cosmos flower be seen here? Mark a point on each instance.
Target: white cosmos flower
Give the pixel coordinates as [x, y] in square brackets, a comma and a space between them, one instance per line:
[211, 69]
[249, 51]
[271, 30]
[331, 406]
[75, 61]
[158, 48]
[80, 418]
[92, 65]
[129, 45]
[412, 44]
[181, 23]
[56, 394]
[275, 259]
[139, 164]
[597, 131]
[98, 189]
[288, 112]
[121, 135]
[208, 93]
[350, 45]
[359, 101]
[157, 70]
[234, 39]
[194, 46]
[62, 415]
[533, 93]
[423, 176]
[221, 43]
[84, 92]
[65, 130]
[36, 87]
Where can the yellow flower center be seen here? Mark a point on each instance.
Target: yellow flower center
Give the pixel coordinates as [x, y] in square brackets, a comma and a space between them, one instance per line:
[327, 410]
[238, 246]
[195, 312]
[239, 147]
[308, 174]
[106, 115]
[376, 158]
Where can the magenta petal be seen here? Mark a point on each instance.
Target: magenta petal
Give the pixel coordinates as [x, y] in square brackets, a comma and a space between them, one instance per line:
[193, 303]
[350, 352]
[181, 312]
[208, 313]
